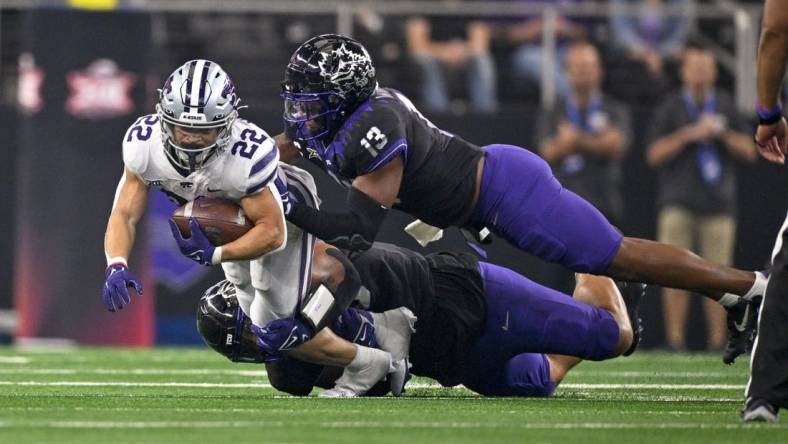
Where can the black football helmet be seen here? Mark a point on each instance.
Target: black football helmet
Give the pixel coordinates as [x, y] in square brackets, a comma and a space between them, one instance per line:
[326, 79]
[224, 327]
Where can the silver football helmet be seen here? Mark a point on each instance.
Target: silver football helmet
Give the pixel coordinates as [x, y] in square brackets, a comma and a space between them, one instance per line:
[197, 96]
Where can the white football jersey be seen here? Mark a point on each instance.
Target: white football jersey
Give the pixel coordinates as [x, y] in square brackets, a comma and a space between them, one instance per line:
[248, 163]
[268, 287]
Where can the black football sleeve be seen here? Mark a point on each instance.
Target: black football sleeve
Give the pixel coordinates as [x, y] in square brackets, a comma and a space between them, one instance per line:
[353, 229]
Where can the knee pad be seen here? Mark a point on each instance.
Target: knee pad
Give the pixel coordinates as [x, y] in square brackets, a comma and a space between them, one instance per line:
[528, 374]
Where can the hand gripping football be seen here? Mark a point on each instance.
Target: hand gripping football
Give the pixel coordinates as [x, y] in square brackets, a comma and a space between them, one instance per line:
[222, 221]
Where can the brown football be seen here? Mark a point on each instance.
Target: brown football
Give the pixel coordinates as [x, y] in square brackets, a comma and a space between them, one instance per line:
[222, 220]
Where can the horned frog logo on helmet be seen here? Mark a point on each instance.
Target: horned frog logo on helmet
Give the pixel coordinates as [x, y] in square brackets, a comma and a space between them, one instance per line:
[199, 97]
[347, 70]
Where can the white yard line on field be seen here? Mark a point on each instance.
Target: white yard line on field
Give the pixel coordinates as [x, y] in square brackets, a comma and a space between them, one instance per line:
[414, 386]
[603, 386]
[132, 371]
[652, 374]
[654, 386]
[14, 360]
[269, 411]
[376, 424]
[132, 384]
[204, 371]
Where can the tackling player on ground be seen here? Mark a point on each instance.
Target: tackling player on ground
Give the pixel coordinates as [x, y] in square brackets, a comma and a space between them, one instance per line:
[196, 145]
[480, 325]
[375, 141]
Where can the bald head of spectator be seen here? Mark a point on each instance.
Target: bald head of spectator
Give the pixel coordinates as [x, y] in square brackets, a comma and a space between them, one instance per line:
[583, 69]
[698, 70]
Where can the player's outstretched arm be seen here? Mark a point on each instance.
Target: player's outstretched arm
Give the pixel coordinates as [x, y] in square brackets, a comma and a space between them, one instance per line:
[130, 200]
[368, 201]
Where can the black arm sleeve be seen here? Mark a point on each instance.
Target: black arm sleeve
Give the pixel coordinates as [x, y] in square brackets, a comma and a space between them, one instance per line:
[352, 230]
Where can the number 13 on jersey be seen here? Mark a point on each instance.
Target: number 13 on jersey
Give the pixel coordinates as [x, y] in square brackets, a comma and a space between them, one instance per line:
[374, 141]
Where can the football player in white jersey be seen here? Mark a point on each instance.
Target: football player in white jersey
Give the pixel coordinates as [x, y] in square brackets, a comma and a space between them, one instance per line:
[195, 145]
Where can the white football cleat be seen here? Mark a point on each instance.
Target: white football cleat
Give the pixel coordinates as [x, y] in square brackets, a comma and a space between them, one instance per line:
[399, 376]
[393, 329]
[338, 392]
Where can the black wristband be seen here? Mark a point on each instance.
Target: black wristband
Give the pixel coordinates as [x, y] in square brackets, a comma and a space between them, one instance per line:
[769, 117]
[769, 120]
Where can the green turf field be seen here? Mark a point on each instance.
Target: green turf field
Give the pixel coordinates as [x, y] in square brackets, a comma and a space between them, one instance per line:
[195, 396]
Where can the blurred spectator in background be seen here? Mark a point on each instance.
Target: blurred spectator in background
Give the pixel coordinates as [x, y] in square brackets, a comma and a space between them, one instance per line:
[383, 38]
[695, 137]
[584, 139]
[445, 47]
[651, 36]
[528, 57]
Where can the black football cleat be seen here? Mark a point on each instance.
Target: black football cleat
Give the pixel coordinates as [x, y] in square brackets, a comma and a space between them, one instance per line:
[742, 328]
[632, 293]
[758, 410]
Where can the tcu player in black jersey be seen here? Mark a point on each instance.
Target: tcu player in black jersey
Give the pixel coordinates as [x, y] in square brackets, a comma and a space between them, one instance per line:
[375, 141]
[480, 325]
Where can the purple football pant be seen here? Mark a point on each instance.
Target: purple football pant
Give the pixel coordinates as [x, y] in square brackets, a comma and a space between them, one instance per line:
[521, 201]
[525, 321]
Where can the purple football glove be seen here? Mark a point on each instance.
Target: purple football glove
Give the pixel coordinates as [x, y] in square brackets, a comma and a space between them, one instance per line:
[116, 293]
[281, 335]
[356, 326]
[197, 247]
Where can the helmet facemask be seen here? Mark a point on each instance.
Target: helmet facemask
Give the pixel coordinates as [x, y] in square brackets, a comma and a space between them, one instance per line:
[310, 116]
[193, 157]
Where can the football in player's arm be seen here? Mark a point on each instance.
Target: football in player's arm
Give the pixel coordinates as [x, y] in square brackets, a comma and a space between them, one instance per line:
[184, 151]
[195, 145]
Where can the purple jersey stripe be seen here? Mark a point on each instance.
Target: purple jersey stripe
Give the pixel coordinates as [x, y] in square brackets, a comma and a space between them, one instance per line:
[305, 269]
[400, 146]
[255, 188]
[281, 187]
[299, 192]
[264, 162]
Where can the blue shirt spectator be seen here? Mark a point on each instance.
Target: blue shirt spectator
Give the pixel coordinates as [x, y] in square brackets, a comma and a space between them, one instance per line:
[651, 36]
